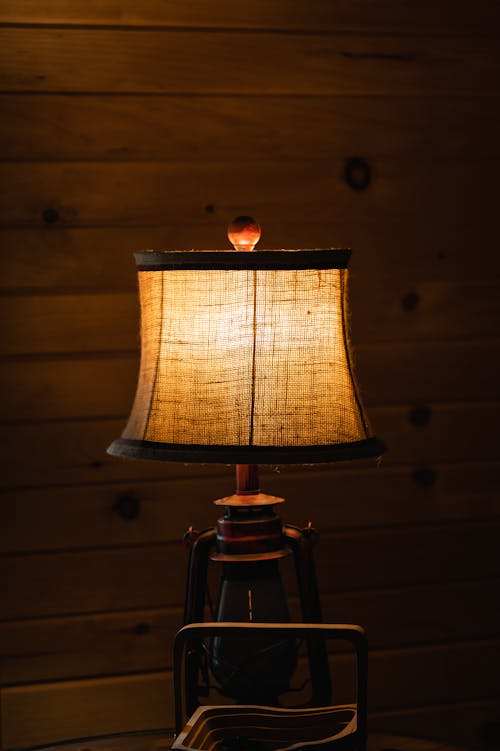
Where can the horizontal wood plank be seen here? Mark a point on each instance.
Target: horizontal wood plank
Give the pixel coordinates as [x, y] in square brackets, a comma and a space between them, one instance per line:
[69, 453]
[177, 128]
[419, 615]
[410, 556]
[114, 643]
[425, 675]
[129, 194]
[66, 388]
[417, 371]
[73, 452]
[143, 701]
[101, 60]
[377, 498]
[82, 517]
[50, 584]
[449, 436]
[54, 259]
[71, 322]
[436, 311]
[109, 321]
[87, 646]
[382, 15]
[47, 713]
[465, 724]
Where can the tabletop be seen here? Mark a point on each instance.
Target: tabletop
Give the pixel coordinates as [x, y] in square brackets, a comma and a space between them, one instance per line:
[163, 739]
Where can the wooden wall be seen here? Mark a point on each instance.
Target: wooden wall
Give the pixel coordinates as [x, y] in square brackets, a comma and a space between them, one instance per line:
[128, 125]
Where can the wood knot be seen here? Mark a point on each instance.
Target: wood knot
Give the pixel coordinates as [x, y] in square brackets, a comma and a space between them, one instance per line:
[127, 506]
[410, 301]
[357, 173]
[420, 415]
[50, 216]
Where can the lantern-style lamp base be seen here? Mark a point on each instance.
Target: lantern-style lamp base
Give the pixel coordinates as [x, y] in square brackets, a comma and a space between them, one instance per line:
[249, 540]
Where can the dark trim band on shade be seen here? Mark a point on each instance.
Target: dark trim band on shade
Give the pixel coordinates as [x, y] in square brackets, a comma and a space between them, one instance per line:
[343, 305]
[182, 452]
[168, 260]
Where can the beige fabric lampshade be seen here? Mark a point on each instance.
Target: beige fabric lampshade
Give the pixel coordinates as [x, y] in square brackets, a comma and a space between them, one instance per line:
[245, 358]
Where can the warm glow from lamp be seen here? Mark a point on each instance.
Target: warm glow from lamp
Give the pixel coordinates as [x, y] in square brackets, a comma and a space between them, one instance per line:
[245, 350]
[245, 359]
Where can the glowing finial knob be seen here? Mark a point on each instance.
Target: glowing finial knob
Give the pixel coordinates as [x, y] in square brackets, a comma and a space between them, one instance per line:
[243, 233]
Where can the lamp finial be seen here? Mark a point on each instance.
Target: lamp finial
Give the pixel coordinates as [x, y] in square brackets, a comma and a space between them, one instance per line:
[244, 233]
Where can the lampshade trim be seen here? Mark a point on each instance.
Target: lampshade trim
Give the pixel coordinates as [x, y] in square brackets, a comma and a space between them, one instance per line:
[157, 365]
[345, 324]
[220, 260]
[221, 454]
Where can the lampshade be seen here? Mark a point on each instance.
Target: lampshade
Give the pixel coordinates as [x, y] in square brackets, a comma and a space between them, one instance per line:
[245, 359]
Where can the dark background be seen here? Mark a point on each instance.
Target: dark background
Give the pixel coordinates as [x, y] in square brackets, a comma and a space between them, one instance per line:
[132, 125]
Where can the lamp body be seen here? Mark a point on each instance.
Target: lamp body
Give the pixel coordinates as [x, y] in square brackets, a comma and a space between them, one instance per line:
[245, 359]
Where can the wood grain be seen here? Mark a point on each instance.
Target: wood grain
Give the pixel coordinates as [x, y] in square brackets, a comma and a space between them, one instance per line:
[75, 323]
[90, 645]
[150, 740]
[100, 60]
[87, 581]
[113, 643]
[462, 723]
[73, 452]
[109, 322]
[50, 519]
[132, 128]
[426, 674]
[55, 389]
[147, 193]
[410, 557]
[70, 453]
[445, 17]
[46, 713]
[145, 701]
[130, 125]
[55, 259]
[435, 311]
[451, 433]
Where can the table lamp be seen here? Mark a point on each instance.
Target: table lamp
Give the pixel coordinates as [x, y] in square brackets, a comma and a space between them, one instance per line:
[245, 359]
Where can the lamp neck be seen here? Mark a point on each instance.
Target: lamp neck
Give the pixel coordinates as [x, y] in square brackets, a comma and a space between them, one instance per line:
[247, 479]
